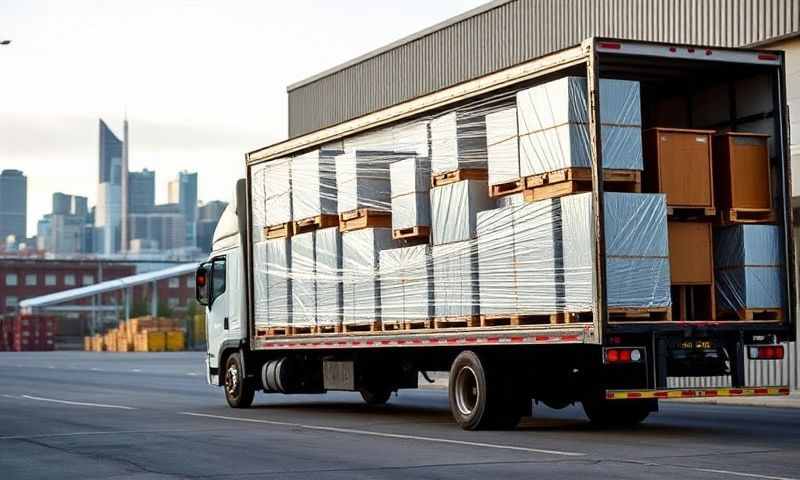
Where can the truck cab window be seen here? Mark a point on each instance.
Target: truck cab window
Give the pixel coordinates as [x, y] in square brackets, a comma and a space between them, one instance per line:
[218, 277]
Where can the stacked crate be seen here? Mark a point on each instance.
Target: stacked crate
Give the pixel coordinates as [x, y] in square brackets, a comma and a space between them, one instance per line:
[554, 143]
[33, 333]
[454, 217]
[313, 190]
[410, 187]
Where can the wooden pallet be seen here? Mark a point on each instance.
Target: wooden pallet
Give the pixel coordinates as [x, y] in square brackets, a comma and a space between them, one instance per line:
[277, 331]
[747, 215]
[362, 327]
[507, 188]
[579, 179]
[305, 330]
[328, 328]
[691, 213]
[515, 319]
[457, 175]
[364, 218]
[391, 326]
[411, 233]
[317, 222]
[278, 231]
[753, 314]
[417, 324]
[457, 322]
[657, 314]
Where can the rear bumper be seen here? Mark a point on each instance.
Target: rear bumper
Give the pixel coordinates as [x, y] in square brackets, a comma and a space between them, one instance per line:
[696, 393]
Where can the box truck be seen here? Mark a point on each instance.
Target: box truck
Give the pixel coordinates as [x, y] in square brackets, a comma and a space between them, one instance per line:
[583, 227]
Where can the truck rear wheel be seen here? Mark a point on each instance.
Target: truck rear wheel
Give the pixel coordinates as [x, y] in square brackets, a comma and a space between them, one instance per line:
[239, 393]
[481, 397]
[617, 413]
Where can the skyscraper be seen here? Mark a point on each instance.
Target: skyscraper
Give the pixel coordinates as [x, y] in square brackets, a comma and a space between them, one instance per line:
[13, 204]
[141, 191]
[124, 205]
[108, 218]
[62, 203]
[183, 191]
[110, 168]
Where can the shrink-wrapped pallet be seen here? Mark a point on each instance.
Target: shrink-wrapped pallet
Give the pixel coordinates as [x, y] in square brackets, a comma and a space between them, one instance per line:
[539, 258]
[455, 279]
[749, 267]
[553, 125]
[313, 180]
[497, 279]
[360, 274]
[637, 258]
[328, 271]
[406, 276]
[304, 287]
[273, 285]
[410, 185]
[363, 180]
[458, 141]
[502, 144]
[278, 191]
[258, 195]
[454, 209]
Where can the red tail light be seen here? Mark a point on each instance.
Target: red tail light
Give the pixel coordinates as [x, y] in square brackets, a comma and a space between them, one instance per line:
[623, 355]
[767, 56]
[201, 280]
[765, 352]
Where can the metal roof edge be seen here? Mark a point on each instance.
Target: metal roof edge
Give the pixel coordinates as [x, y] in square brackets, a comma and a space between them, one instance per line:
[405, 40]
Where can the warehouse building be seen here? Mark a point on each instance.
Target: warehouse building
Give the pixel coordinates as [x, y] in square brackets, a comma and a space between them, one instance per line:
[505, 33]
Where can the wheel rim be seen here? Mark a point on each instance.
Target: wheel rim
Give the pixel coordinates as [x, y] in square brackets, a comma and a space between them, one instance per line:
[232, 381]
[467, 390]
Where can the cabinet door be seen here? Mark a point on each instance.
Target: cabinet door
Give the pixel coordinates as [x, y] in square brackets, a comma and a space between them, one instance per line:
[690, 255]
[685, 168]
[749, 173]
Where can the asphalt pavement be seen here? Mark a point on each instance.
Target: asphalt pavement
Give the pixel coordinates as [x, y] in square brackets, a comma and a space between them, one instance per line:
[105, 415]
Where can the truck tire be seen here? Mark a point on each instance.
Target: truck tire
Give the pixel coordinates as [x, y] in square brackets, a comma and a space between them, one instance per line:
[239, 392]
[481, 397]
[376, 397]
[617, 413]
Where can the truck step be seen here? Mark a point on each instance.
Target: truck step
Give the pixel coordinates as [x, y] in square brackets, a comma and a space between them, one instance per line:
[364, 218]
[457, 175]
[457, 322]
[314, 223]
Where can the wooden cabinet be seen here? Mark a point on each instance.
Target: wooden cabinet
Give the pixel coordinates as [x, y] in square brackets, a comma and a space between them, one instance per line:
[678, 163]
[691, 257]
[741, 163]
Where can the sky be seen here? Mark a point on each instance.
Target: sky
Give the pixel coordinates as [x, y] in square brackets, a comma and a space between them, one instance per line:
[202, 82]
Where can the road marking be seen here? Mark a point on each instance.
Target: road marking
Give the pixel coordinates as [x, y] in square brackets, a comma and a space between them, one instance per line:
[740, 474]
[389, 435]
[193, 374]
[90, 433]
[136, 370]
[81, 404]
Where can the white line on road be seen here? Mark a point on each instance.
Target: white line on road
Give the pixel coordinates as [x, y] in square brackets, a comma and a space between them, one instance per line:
[740, 474]
[136, 370]
[81, 404]
[389, 435]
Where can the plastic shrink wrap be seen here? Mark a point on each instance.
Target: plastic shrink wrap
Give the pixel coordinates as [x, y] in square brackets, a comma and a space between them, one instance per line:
[502, 145]
[360, 273]
[749, 266]
[410, 185]
[362, 179]
[304, 287]
[278, 191]
[272, 283]
[406, 284]
[455, 279]
[553, 126]
[328, 244]
[454, 209]
[458, 141]
[313, 180]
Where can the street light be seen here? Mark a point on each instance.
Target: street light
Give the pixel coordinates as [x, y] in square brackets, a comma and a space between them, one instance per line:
[5, 42]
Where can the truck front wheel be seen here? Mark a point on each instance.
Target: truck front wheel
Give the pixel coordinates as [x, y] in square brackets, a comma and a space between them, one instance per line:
[618, 413]
[482, 397]
[239, 392]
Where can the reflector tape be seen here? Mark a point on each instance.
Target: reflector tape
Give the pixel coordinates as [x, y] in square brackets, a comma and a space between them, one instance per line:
[356, 342]
[697, 393]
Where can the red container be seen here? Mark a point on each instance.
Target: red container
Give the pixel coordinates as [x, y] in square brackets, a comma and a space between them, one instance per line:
[33, 333]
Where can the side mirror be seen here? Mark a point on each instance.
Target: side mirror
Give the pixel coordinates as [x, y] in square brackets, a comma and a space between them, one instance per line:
[203, 284]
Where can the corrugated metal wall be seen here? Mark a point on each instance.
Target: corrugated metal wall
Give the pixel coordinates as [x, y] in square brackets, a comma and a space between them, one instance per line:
[520, 30]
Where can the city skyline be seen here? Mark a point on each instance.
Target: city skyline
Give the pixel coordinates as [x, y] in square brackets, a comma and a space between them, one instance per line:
[182, 84]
